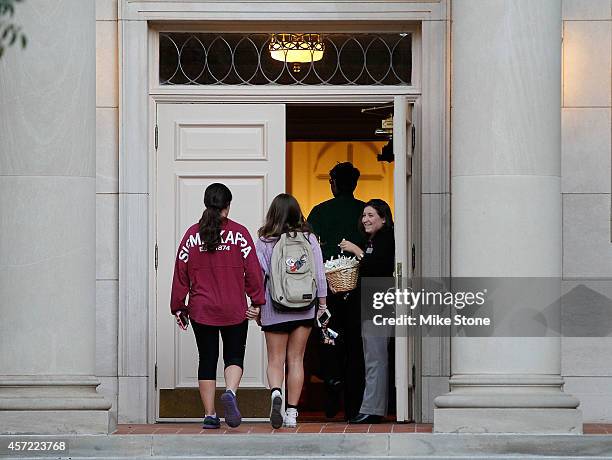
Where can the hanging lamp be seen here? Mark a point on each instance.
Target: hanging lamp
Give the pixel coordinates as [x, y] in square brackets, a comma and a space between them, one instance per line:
[296, 48]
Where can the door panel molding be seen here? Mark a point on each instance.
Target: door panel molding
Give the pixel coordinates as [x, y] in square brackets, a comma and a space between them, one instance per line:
[236, 135]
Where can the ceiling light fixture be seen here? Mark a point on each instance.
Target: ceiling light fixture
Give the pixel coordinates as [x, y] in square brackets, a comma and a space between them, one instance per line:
[296, 48]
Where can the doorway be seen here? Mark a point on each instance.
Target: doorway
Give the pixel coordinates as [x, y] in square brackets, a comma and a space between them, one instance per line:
[318, 138]
[258, 149]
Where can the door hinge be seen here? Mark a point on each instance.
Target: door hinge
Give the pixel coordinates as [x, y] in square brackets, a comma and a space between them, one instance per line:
[413, 257]
[156, 137]
[413, 134]
[156, 256]
[155, 375]
[398, 275]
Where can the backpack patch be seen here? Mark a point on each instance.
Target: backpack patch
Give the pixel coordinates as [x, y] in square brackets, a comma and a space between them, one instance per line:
[294, 265]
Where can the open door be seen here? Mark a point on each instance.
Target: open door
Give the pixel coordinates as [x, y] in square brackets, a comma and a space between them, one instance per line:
[243, 146]
[404, 247]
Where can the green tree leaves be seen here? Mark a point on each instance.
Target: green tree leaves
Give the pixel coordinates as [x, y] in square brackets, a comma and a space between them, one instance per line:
[10, 33]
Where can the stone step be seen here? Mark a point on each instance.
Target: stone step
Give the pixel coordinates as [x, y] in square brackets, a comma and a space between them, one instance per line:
[328, 446]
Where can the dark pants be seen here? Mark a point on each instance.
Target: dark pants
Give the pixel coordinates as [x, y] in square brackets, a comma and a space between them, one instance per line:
[344, 361]
[207, 339]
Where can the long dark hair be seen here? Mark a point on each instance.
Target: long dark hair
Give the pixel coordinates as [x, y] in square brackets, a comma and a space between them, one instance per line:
[284, 216]
[216, 197]
[384, 212]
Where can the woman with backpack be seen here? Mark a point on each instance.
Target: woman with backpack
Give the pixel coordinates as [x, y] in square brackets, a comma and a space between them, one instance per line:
[376, 260]
[216, 266]
[291, 259]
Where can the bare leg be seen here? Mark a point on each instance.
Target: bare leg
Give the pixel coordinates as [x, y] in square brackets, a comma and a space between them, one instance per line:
[296, 347]
[276, 343]
[233, 374]
[207, 394]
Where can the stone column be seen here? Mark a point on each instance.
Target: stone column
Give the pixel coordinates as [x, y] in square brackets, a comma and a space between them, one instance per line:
[506, 208]
[47, 223]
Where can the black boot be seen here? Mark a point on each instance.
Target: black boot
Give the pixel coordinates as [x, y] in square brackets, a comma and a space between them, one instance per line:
[365, 419]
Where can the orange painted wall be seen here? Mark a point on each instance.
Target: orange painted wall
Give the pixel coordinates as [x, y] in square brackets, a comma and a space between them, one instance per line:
[308, 165]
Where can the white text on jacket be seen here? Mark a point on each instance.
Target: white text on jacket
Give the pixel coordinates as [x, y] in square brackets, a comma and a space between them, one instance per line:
[227, 239]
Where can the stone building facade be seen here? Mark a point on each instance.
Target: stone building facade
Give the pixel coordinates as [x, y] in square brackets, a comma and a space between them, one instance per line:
[76, 133]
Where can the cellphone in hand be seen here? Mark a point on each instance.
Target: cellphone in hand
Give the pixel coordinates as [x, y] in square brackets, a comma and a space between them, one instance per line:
[325, 316]
[182, 319]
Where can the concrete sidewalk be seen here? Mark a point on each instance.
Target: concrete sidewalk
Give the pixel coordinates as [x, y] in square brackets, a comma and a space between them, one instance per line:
[328, 445]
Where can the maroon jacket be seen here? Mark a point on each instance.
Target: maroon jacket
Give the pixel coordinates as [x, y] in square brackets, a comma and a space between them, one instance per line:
[217, 281]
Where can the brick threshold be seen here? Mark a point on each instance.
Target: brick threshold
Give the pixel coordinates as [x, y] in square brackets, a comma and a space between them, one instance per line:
[305, 427]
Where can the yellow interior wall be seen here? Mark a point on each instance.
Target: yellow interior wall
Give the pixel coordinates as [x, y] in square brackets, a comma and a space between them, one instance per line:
[309, 163]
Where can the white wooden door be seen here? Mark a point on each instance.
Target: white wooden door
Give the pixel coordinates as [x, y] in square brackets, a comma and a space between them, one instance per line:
[404, 240]
[242, 146]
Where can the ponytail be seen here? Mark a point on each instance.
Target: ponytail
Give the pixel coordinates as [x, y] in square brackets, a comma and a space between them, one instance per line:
[216, 197]
[210, 228]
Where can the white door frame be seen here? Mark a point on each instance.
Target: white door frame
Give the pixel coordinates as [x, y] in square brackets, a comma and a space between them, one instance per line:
[315, 95]
[361, 96]
[138, 97]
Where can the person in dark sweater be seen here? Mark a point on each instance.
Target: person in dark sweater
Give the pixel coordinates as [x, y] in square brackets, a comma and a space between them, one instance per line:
[376, 260]
[341, 365]
[216, 265]
[337, 219]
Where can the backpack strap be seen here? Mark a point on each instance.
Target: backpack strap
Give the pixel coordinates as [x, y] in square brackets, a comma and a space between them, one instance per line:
[314, 265]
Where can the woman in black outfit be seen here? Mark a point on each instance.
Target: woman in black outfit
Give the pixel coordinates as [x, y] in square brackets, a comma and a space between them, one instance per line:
[377, 260]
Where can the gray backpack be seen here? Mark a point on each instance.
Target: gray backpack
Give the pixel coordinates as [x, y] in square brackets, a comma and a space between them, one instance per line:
[293, 285]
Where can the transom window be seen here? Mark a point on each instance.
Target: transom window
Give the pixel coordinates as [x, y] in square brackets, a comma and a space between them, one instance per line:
[247, 59]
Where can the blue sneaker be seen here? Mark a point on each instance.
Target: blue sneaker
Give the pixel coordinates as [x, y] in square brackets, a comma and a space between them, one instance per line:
[211, 422]
[230, 404]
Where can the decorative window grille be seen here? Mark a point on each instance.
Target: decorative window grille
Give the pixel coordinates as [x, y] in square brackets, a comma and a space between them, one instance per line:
[244, 59]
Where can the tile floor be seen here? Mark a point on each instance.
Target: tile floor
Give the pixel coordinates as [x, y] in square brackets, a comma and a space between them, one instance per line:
[308, 427]
[597, 428]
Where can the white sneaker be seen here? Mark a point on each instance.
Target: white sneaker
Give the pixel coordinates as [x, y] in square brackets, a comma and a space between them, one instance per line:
[291, 415]
[276, 405]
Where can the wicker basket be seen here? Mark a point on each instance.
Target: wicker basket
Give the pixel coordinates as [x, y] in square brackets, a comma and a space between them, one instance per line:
[343, 279]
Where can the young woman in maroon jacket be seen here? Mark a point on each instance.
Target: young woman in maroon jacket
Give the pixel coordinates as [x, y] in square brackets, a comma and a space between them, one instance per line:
[216, 264]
